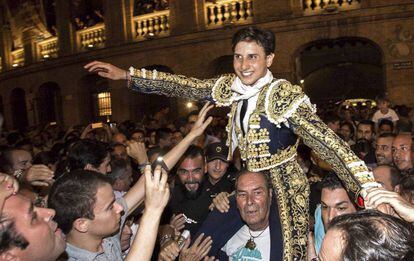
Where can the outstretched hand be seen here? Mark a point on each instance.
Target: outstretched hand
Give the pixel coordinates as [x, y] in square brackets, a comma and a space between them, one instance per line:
[201, 124]
[107, 70]
[378, 197]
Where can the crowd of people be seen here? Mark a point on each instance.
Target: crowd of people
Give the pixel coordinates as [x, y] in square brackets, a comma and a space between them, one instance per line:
[79, 194]
[166, 189]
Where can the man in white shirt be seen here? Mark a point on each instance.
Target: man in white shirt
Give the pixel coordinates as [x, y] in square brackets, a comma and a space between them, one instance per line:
[249, 230]
[253, 197]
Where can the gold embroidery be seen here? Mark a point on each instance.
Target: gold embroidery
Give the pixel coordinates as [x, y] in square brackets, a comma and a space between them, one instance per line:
[292, 191]
[271, 161]
[258, 135]
[331, 148]
[229, 129]
[171, 85]
[282, 99]
[222, 92]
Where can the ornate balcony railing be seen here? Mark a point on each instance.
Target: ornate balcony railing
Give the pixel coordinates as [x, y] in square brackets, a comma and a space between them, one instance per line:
[47, 48]
[91, 38]
[312, 7]
[151, 25]
[226, 12]
[17, 57]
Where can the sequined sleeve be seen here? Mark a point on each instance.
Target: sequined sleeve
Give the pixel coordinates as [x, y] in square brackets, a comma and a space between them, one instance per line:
[349, 168]
[171, 85]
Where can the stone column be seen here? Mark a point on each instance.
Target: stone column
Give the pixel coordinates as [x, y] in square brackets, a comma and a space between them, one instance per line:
[65, 29]
[29, 46]
[5, 47]
[118, 21]
[186, 16]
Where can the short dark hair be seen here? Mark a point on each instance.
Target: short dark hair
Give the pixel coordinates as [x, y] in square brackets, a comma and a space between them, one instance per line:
[407, 185]
[350, 125]
[118, 168]
[394, 173]
[331, 182]
[192, 113]
[6, 161]
[331, 118]
[162, 133]
[9, 237]
[367, 122]
[192, 152]
[86, 151]
[381, 98]
[264, 38]
[73, 196]
[387, 135]
[386, 122]
[45, 158]
[265, 174]
[372, 235]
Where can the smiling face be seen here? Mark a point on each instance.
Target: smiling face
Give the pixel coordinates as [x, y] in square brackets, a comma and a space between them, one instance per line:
[250, 61]
[253, 200]
[191, 173]
[383, 150]
[36, 225]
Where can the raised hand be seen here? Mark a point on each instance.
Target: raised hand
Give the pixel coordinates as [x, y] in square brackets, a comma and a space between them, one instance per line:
[221, 202]
[201, 124]
[157, 191]
[107, 70]
[8, 186]
[177, 222]
[137, 151]
[169, 251]
[39, 175]
[198, 251]
[378, 197]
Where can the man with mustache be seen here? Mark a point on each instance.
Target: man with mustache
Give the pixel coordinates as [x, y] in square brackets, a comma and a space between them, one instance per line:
[383, 149]
[189, 197]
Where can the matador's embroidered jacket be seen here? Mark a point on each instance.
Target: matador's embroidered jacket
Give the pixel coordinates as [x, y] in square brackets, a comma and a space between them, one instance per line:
[283, 113]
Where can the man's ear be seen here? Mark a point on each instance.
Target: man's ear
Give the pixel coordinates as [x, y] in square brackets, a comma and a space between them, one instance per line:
[81, 225]
[397, 189]
[270, 193]
[9, 255]
[269, 59]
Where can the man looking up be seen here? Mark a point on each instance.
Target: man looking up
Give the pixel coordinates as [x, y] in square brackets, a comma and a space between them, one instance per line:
[29, 232]
[267, 116]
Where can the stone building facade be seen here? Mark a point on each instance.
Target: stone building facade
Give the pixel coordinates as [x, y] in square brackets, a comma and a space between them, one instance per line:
[335, 49]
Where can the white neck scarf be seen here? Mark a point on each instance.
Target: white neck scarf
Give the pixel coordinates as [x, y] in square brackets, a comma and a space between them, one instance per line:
[242, 91]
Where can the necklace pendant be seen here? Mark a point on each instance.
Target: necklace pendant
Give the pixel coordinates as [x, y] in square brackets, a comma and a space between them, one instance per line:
[250, 244]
